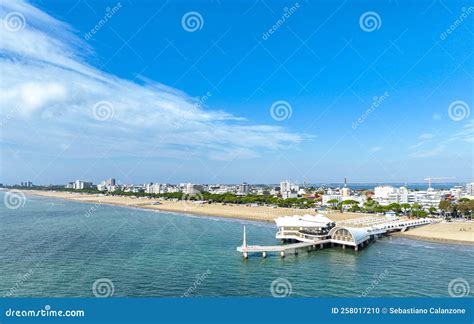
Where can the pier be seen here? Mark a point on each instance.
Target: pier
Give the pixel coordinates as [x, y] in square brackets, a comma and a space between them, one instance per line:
[282, 250]
[311, 232]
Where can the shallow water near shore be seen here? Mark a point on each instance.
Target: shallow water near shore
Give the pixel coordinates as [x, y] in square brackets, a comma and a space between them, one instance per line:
[54, 248]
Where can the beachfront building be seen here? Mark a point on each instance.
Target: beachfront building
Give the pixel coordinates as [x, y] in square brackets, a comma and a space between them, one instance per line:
[294, 227]
[107, 185]
[263, 191]
[326, 198]
[288, 190]
[243, 189]
[220, 189]
[192, 189]
[385, 195]
[356, 232]
[154, 188]
[470, 189]
[79, 185]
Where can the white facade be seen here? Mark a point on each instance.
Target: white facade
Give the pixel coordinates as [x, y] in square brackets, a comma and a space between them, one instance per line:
[470, 189]
[288, 189]
[243, 189]
[154, 188]
[192, 189]
[79, 184]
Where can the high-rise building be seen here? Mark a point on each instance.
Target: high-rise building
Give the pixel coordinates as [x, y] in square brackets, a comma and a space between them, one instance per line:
[243, 189]
[79, 184]
[192, 189]
[110, 182]
[154, 188]
[470, 189]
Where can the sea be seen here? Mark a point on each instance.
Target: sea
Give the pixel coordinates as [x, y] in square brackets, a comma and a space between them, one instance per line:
[58, 248]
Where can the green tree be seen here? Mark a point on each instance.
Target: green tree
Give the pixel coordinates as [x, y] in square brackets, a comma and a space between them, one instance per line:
[405, 207]
[395, 207]
[333, 203]
[445, 206]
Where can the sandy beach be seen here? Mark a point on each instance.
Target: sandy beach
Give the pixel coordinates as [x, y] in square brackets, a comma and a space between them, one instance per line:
[456, 232]
[259, 213]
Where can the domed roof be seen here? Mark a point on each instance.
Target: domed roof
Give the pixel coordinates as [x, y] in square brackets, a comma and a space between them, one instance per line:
[358, 234]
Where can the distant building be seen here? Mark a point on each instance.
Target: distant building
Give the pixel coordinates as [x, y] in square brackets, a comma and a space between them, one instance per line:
[107, 185]
[288, 190]
[110, 182]
[285, 186]
[327, 198]
[345, 192]
[243, 189]
[470, 189]
[192, 189]
[27, 184]
[154, 188]
[79, 184]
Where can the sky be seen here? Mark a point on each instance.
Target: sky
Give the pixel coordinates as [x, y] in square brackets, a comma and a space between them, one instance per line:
[231, 91]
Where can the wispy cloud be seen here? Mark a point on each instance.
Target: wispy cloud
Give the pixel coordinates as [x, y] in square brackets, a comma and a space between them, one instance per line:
[438, 149]
[47, 84]
[430, 145]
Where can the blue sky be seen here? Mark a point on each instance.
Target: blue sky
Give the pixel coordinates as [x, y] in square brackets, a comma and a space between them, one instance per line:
[195, 106]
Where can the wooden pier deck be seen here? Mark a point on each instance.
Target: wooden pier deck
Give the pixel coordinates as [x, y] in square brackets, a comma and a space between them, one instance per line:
[282, 249]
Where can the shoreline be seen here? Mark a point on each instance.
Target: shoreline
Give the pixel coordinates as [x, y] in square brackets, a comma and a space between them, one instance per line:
[430, 239]
[242, 212]
[451, 233]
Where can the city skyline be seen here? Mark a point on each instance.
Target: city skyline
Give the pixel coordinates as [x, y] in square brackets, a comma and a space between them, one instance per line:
[322, 95]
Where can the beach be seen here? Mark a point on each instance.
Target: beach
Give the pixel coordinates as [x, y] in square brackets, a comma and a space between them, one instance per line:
[257, 213]
[455, 232]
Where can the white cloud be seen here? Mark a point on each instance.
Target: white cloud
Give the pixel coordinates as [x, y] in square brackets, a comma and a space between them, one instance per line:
[376, 149]
[48, 84]
[429, 153]
[439, 142]
[425, 136]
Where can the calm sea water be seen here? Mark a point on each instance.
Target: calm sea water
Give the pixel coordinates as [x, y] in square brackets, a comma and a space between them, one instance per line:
[52, 247]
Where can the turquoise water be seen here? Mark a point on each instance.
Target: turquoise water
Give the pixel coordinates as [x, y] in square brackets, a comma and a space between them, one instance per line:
[53, 248]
